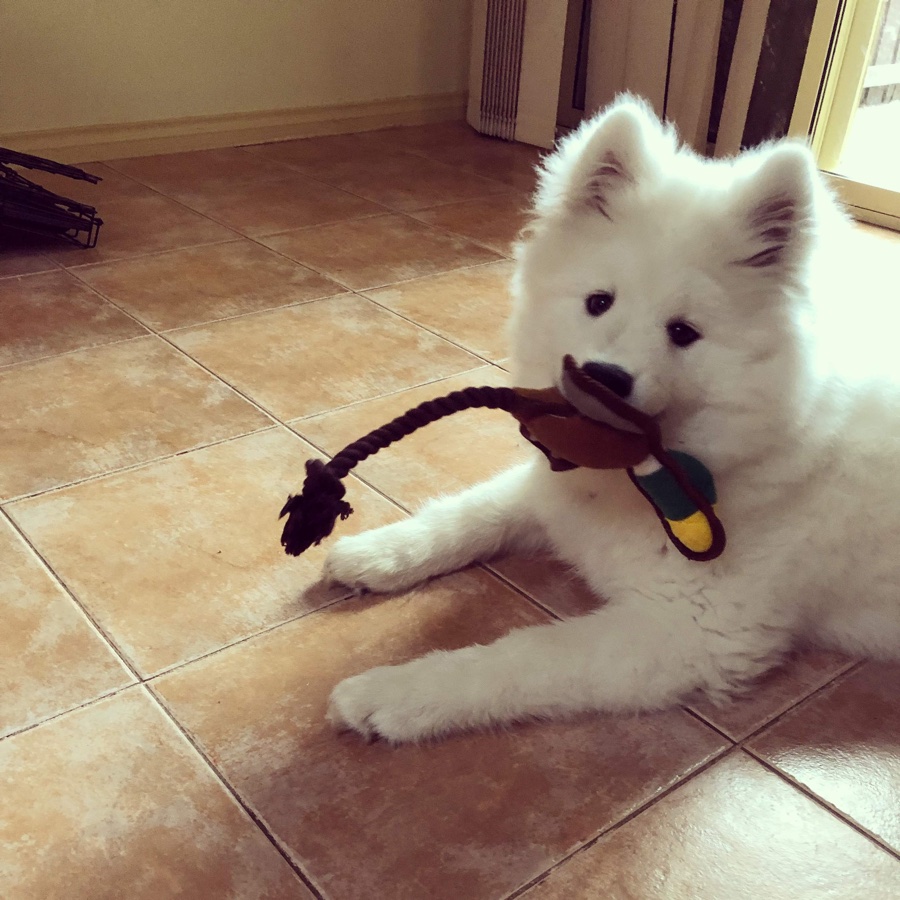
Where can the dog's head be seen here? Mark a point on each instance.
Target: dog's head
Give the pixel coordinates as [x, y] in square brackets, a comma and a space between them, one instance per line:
[676, 281]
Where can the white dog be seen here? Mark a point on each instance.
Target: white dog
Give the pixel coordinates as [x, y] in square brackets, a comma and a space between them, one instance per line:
[715, 295]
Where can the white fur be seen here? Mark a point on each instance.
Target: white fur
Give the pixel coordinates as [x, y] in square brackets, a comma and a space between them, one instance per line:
[789, 398]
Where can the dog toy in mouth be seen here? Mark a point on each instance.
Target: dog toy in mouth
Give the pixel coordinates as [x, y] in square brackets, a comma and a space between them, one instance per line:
[572, 428]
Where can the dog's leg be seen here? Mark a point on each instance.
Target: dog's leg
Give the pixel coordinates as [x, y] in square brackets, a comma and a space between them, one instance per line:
[445, 535]
[625, 657]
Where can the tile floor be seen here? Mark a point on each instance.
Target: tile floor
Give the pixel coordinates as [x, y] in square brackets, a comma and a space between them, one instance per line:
[164, 667]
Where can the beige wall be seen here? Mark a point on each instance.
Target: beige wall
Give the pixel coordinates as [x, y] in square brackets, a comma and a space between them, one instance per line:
[67, 63]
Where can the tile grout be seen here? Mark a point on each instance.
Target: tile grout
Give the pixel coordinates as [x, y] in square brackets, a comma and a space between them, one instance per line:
[714, 760]
[835, 811]
[268, 629]
[256, 818]
[845, 672]
[132, 467]
[93, 701]
[123, 657]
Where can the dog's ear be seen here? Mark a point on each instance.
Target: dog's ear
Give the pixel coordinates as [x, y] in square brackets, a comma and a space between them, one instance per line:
[594, 165]
[775, 205]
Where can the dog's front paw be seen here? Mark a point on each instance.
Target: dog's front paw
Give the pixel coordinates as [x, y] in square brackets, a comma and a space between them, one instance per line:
[397, 703]
[376, 560]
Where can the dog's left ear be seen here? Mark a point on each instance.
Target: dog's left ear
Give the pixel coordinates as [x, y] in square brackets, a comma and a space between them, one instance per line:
[775, 206]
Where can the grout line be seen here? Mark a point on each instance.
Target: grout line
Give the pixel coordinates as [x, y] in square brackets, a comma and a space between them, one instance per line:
[245, 805]
[450, 340]
[143, 464]
[22, 363]
[292, 423]
[507, 253]
[253, 312]
[130, 667]
[388, 148]
[248, 637]
[140, 254]
[838, 813]
[113, 692]
[145, 253]
[708, 724]
[714, 760]
[848, 670]
[486, 566]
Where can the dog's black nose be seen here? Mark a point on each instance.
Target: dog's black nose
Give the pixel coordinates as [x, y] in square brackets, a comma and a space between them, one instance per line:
[613, 377]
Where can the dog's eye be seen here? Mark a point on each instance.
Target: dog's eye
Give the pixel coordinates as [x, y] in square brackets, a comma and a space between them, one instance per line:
[681, 334]
[599, 302]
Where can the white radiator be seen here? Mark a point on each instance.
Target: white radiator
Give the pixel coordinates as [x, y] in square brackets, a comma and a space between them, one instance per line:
[517, 48]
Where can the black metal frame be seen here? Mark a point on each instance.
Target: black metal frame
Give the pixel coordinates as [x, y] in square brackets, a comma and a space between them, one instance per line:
[27, 206]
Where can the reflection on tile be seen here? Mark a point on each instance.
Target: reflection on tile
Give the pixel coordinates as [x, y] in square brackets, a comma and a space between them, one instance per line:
[365, 166]
[493, 221]
[551, 582]
[50, 657]
[177, 559]
[844, 745]
[266, 207]
[380, 250]
[317, 156]
[50, 313]
[72, 416]
[111, 801]
[735, 830]
[197, 170]
[473, 816]
[201, 284]
[469, 307]
[304, 359]
[802, 674]
[458, 144]
[442, 458]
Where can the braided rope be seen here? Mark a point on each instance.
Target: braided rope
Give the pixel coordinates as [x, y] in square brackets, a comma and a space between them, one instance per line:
[413, 419]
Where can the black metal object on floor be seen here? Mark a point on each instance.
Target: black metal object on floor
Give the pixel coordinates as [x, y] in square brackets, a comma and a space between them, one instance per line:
[27, 206]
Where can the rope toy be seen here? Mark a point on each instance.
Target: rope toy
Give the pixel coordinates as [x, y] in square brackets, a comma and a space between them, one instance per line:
[589, 426]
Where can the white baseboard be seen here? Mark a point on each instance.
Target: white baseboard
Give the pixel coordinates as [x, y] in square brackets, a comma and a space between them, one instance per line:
[91, 143]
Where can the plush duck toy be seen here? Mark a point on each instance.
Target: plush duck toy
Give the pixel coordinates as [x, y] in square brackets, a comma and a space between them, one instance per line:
[584, 425]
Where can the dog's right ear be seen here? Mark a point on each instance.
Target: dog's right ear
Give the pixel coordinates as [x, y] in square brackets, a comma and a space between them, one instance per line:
[598, 163]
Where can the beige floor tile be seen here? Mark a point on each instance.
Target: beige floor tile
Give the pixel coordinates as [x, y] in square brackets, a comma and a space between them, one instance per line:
[473, 816]
[844, 746]
[180, 558]
[51, 659]
[51, 313]
[202, 284]
[305, 359]
[442, 458]
[86, 413]
[111, 801]
[803, 673]
[469, 307]
[494, 221]
[372, 252]
[734, 831]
